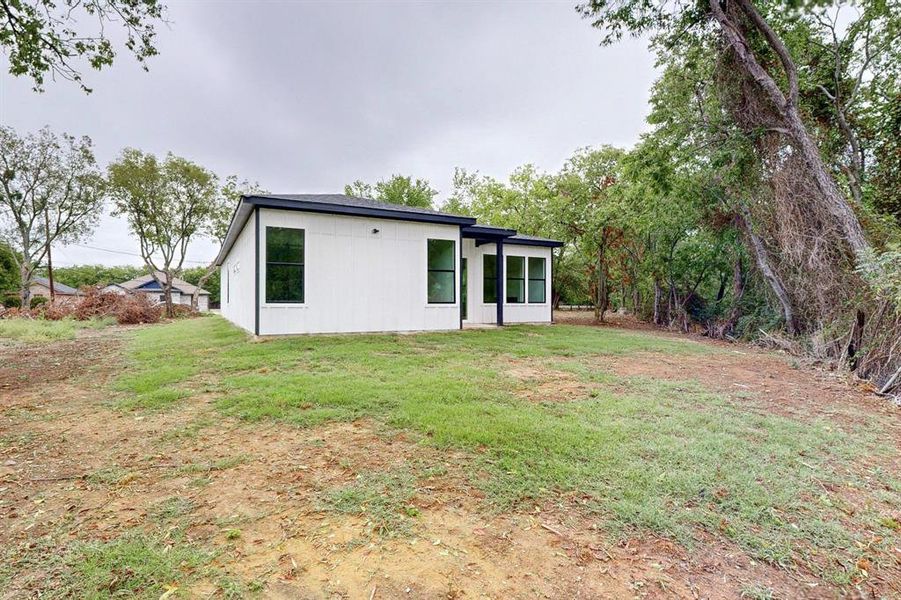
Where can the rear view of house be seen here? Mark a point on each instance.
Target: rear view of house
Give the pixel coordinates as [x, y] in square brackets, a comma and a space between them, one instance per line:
[182, 291]
[332, 263]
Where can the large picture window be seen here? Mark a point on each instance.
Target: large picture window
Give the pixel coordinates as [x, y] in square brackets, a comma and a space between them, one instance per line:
[516, 279]
[489, 281]
[284, 265]
[442, 278]
[537, 280]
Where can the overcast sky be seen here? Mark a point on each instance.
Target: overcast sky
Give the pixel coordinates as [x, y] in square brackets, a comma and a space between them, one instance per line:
[308, 96]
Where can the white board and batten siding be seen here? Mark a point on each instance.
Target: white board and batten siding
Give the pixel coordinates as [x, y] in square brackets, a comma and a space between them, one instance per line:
[236, 285]
[360, 275]
[527, 312]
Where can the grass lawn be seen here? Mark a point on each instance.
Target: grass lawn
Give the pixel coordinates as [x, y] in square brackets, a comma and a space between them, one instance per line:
[642, 454]
[43, 330]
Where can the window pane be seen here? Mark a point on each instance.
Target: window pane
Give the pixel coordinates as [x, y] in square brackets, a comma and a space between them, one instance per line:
[441, 254]
[516, 291]
[516, 284]
[284, 244]
[536, 267]
[441, 287]
[284, 283]
[536, 290]
[489, 278]
[516, 267]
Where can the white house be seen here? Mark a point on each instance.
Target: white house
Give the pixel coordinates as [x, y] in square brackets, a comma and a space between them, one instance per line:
[328, 263]
[182, 291]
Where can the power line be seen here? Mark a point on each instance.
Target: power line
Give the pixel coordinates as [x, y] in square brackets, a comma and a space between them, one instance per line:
[200, 262]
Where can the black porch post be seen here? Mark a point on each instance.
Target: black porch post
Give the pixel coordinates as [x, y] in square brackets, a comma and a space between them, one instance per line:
[499, 274]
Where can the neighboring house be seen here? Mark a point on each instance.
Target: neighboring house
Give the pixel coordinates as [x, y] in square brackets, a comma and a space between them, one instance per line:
[40, 286]
[182, 291]
[331, 263]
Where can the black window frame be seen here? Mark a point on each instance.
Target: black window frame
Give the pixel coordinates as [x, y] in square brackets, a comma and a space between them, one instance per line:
[301, 265]
[452, 271]
[508, 279]
[530, 279]
[486, 279]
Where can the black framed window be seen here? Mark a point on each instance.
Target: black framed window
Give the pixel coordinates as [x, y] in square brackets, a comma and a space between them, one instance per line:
[489, 281]
[516, 279]
[537, 280]
[284, 265]
[442, 269]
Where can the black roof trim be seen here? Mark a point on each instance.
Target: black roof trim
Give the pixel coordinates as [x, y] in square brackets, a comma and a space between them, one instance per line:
[338, 204]
[487, 232]
[524, 240]
[359, 207]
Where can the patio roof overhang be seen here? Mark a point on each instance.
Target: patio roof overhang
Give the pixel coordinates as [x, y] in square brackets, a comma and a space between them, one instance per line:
[485, 234]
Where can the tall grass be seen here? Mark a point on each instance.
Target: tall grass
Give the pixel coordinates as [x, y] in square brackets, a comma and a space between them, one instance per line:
[43, 330]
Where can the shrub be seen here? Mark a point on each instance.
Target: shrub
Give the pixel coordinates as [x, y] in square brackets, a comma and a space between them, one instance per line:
[12, 302]
[38, 301]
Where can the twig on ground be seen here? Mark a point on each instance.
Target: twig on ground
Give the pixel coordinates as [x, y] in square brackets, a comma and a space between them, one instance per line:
[552, 530]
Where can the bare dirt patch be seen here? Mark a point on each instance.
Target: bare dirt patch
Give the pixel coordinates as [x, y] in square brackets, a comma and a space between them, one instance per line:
[763, 380]
[542, 384]
[73, 469]
[26, 365]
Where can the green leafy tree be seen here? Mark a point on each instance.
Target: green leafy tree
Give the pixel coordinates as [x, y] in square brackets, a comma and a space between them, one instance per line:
[203, 278]
[216, 228]
[50, 36]
[397, 189]
[9, 274]
[79, 276]
[167, 203]
[759, 56]
[51, 192]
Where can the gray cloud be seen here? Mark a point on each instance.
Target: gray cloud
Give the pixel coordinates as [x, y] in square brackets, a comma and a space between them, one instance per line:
[305, 97]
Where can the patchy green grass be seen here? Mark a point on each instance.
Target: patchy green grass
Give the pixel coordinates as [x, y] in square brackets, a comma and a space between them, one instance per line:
[383, 499]
[42, 330]
[135, 566]
[662, 456]
[112, 475]
[222, 464]
[171, 509]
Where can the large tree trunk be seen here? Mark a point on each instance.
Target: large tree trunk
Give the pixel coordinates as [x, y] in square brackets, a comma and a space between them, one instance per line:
[26, 271]
[166, 285]
[762, 258]
[787, 107]
[738, 292]
[658, 294]
[603, 294]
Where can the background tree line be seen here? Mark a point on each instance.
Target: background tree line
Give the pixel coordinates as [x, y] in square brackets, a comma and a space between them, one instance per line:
[52, 193]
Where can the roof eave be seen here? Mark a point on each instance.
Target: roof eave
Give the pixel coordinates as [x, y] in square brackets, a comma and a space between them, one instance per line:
[240, 217]
[544, 243]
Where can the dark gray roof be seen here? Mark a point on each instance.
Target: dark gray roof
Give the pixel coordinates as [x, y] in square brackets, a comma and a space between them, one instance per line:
[366, 207]
[356, 202]
[332, 204]
[58, 288]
